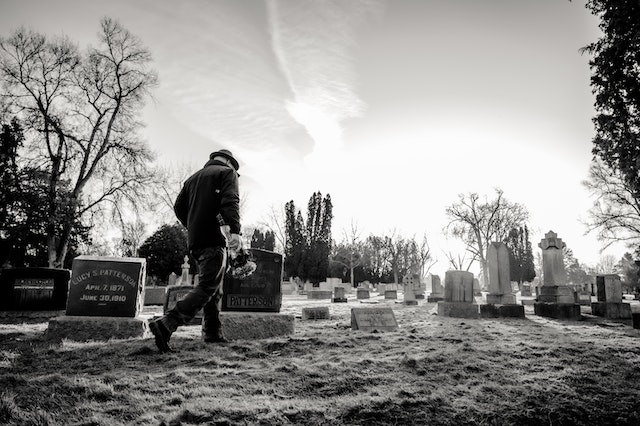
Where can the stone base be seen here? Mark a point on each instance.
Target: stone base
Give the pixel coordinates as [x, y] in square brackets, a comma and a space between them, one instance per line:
[255, 325]
[434, 299]
[321, 312]
[501, 299]
[528, 302]
[611, 310]
[29, 317]
[558, 294]
[82, 329]
[339, 300]
[410, 302]
[319, 294]
[458, 309]
[501, 311]
[557, 310]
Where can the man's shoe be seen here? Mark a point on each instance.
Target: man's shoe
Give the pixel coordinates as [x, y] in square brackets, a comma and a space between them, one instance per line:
[217, 337]
[161, 335]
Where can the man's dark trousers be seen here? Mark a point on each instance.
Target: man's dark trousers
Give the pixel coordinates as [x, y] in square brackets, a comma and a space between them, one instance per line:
[207, 295]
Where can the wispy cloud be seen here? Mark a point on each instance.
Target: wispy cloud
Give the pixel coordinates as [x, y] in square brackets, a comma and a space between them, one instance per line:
[313, 42]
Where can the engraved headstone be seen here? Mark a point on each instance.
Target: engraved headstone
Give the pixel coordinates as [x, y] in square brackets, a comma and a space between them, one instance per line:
[259, 292]
[610, 302]
[106, 286]
[373, 319]
[458, 296]
[34, 289]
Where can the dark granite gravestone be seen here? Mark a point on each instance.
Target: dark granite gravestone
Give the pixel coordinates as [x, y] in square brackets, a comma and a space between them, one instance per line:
[177, 293]
[106, 286]
[33, 289]
[259, 292]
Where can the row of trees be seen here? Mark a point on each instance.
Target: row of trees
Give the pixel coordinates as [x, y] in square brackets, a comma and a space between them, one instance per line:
[70, 153]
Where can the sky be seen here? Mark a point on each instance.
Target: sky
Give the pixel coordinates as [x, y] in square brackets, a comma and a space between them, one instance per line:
[393, 107]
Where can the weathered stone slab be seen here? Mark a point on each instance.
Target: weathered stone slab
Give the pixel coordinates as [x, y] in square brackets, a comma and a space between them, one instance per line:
[458, 286]
[104, 286]
[362, 293]
[88, 328]
[611, 310]
[339, 295]
[584, 298]
[458, 309]
[34, 289]
[256, 325]
[259, 292]
[391, 294]
[373, 319]
[154, 295]
[557, 310]
[609, 288]
[502, 311]
[319, 294]
[315, 313]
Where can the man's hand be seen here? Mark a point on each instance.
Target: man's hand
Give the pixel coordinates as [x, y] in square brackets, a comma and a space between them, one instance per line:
[234, 242]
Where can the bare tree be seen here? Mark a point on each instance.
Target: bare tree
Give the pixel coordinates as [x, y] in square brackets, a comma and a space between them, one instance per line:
[607, 264]
[425, 256]
[615, 214]
[459, 262]
[81, 115]
[355, 249]
[478, 223]
[275, 222]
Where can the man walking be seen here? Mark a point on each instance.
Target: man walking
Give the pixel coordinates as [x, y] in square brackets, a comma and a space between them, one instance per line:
[208, 201]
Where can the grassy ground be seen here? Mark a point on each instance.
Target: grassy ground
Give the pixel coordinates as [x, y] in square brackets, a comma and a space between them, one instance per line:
[434, 370]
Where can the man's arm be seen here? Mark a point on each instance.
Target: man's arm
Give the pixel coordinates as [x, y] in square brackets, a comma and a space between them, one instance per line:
[181, 207]
[230, 202]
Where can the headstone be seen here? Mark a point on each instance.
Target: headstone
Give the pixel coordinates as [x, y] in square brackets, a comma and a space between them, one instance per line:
[174, 295]
[525, 290]
[554, 292]
[172, 279]
[185, 278]
[319, 294]
[411, 284]
[259, 292]
[154, 295]
[609, 294]
[362, 293]
[391, 294]
[437, 291]
[373, 319]
[501, 301]
[106, 286]
[315, 313]
[104, 301]
[34, 289]
[458, 296]
[339, 295]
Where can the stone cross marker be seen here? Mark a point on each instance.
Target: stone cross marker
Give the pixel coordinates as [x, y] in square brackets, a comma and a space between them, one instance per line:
[106, 286]
[553, 271]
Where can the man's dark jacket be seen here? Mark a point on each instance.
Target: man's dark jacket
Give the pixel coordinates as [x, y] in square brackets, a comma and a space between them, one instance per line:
[210, 191]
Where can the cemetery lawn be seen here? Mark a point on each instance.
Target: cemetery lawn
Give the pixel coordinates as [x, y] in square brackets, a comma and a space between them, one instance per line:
[434, 371]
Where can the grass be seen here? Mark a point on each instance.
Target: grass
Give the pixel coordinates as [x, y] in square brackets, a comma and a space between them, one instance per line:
[433, 370]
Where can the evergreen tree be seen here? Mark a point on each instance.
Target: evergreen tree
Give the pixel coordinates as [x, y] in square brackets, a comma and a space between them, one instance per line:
[263, 240]
[520, 255]
[165, 250]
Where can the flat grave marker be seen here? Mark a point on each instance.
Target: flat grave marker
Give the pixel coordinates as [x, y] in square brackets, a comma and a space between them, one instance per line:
[373, 319]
